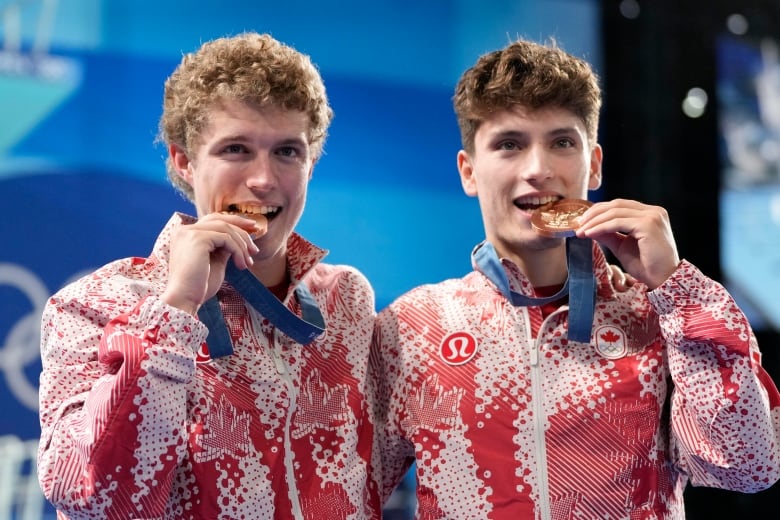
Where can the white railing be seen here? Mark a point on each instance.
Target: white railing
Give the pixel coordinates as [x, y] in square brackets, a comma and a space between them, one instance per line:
[20, 495]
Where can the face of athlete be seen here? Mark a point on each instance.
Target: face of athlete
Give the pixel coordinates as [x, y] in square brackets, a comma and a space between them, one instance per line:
[523, 159]
[252, 160]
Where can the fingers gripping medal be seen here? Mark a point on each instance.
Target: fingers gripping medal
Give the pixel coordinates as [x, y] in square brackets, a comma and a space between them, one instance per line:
[261, 225]
[302, 329]
[559, 219]
[261, 221]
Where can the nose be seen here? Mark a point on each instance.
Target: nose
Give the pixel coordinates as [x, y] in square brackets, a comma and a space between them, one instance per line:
[260, 175]
[537, 166]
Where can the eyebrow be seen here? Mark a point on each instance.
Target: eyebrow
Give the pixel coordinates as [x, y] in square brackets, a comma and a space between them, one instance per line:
[233, 137]
[242, 138]
[294, 140]
[550, 134]
[566, 130]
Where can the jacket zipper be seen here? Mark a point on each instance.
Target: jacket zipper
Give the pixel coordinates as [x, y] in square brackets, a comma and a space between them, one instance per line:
[289, 459]
[540, 420]
[284, 374]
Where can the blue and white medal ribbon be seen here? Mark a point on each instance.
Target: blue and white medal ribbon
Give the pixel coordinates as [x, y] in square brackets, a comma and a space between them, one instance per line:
[580, 284]
[302, 329]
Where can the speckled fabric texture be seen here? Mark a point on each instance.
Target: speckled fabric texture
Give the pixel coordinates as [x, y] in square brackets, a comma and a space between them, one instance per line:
[139, 422]
[507, 419]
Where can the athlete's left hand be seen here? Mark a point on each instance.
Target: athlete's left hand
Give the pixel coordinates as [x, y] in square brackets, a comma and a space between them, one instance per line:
[639, 235]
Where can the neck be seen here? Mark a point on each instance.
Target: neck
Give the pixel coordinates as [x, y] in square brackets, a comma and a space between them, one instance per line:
[542, 267]
[271, 271]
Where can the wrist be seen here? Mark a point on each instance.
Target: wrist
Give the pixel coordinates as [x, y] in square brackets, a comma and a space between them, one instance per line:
[184, 304]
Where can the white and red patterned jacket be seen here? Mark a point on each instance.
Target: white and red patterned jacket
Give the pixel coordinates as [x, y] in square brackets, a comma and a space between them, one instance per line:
[134, 426]
[507, 423]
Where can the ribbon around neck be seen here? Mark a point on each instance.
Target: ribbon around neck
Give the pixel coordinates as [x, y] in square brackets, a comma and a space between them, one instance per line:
[580, 284]
[301, 329]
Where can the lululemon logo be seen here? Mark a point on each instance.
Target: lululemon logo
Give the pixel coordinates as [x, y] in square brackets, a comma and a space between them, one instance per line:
[458, 348]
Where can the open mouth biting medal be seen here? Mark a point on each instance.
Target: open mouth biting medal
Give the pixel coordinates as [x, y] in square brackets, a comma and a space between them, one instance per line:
[559, 219]
[303, 329]
[261, 220]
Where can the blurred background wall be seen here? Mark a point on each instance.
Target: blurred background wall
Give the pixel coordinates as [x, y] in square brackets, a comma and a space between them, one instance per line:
[82, 181]
[692, 122]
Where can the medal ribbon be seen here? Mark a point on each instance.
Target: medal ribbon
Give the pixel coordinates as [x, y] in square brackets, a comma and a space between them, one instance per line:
[580, 284]
[303, 330]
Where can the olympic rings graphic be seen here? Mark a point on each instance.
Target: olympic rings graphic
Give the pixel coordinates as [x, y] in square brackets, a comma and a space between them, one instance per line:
[22, 344]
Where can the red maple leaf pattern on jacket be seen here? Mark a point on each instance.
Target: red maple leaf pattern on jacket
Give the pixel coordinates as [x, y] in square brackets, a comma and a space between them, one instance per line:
[433, 408]
[491, 304]
[685, 402]
[325, 407]
[226, 433]
[135, 427]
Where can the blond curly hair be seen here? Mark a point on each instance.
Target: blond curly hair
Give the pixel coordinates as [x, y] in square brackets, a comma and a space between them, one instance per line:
[253, 68]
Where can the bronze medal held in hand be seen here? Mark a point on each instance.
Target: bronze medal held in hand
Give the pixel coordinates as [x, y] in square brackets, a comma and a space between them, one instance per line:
[558, 219]
[261, 221]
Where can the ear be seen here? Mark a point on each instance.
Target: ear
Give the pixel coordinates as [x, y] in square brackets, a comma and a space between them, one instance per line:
[181, 163]
[311, 169]
[594, 179]
[466, 170]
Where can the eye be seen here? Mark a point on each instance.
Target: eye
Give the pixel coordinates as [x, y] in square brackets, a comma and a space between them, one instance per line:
[508, 145]
[287, 151]
[564, 142]
[234, 148]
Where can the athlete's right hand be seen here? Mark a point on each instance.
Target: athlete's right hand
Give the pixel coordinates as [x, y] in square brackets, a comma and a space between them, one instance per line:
[199, 254]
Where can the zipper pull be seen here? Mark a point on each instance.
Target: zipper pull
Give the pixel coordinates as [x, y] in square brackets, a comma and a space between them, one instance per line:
[280, 368]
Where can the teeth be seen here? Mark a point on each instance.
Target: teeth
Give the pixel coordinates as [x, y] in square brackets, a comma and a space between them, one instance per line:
[536, 201]
[252, 210]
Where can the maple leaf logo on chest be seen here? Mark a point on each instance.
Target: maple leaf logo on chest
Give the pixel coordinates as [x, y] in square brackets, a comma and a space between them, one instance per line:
[610, 336]
[611, 342]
